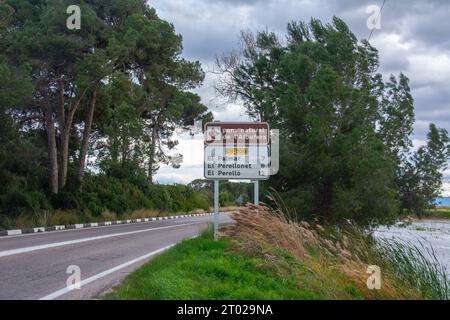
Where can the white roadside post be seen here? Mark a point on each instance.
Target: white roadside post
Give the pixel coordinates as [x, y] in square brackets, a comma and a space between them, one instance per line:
[216, 210]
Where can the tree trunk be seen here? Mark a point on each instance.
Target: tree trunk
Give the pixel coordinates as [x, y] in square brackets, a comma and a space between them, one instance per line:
[61, 101]
[52, 150]
[86, 135]
[64, 156]
[152, 154]
[61, 119]
[66, 128]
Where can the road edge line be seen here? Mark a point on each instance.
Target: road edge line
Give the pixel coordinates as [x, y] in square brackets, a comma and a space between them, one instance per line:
[105, 273]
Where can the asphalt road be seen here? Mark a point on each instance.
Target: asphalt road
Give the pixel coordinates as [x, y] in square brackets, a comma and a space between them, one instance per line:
[36, 266]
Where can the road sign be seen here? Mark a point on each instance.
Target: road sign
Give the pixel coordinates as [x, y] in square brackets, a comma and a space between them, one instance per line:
[238, 151]
[241, 133]
[237, 162]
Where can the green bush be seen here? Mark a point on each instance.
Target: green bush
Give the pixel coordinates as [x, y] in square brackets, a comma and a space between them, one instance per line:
[65, 200]
[102, 193]
[184, 198]
[226, 199]
[97, 194]
[160, 196]
[15, 202]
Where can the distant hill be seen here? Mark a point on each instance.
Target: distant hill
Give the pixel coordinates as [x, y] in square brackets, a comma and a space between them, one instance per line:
[443, 202]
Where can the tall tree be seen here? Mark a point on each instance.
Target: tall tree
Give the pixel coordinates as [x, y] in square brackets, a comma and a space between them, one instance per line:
[171, 109]
[55, 55]
[69, 68]
[420, 180]
[345, 132]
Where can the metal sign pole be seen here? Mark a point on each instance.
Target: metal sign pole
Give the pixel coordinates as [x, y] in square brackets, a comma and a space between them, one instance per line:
[256, 192]
[216, 210]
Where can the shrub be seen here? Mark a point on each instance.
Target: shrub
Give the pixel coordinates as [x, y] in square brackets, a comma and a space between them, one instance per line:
[340, 255]
[226, 199]
[143, 213]
[99, 196]
[160, 196]
[108, 215]
[65, 200]
[102, 193]
[16, 202]
[185, 199]
[68, 217]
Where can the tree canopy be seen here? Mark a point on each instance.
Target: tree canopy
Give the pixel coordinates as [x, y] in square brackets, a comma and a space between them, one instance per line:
[345, 132]
[103, 99]
[124, 61]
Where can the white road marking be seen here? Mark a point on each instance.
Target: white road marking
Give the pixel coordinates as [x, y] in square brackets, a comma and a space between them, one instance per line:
[84, 282]
[65, 243]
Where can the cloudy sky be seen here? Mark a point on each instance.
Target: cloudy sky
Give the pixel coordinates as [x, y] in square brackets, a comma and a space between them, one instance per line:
[414, 39]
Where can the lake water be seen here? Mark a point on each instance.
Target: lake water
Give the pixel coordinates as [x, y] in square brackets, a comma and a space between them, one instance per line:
[429, 232]
[443, 202]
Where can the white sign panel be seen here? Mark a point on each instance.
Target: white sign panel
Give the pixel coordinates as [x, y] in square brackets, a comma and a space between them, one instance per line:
[237, 151]
[237, 162]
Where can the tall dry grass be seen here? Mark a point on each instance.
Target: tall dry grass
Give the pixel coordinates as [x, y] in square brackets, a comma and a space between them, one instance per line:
[337, 257]
[46, 218]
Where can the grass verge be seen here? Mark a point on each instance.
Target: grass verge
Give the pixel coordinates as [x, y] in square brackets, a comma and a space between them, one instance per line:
[437, 213]
[203, 269]
[265, 255]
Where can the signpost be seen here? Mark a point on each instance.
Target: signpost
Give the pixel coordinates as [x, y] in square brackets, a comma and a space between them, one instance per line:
[236, 151]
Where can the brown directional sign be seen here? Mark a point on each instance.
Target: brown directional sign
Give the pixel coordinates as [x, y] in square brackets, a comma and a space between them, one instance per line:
[241, 133]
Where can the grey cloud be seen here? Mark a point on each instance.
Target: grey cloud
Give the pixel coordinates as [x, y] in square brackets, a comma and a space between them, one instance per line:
[239, 2]
[433, 98]
[427, 22]
[414, 39]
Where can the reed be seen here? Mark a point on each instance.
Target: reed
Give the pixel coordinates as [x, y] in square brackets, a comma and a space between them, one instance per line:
[340, 254]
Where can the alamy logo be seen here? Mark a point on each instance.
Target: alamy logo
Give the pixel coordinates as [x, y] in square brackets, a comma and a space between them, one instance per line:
[374, 20]
[374, 280]
[74, 281]
[74, 20]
